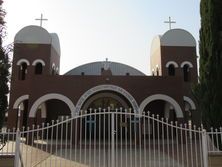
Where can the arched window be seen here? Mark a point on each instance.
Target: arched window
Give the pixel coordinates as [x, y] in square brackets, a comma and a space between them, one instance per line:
[22, 71]
[186, 73]
[171, 70]
[38, 68]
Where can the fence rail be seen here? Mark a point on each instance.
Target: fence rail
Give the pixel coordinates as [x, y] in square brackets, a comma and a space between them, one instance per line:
[111, 139]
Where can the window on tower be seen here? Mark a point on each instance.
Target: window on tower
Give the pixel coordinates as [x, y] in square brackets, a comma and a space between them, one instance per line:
[171, 70]
[186, 73]
[22, 71]
[38, 68]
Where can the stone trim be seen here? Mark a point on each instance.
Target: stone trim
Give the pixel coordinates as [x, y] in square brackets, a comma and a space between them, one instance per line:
[113, 88]
[146, 101]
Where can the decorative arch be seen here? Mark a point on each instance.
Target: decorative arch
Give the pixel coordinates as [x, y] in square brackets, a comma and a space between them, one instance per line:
[114, 96]
[19, 100]
[169, 99]
[38, 61]
[190, 101]
[171, 62]
[49, 96]
[186, 63]
[19, 62]
[113, 88]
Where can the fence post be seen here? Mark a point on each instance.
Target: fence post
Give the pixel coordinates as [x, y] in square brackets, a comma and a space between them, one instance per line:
[113, 141]
[204, 146]
[17, 148]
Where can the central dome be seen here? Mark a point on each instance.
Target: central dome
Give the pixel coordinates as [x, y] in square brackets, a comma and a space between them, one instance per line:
[95, 68]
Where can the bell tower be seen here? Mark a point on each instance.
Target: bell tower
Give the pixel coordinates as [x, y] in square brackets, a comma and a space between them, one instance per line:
[36, 54]
[174, 54]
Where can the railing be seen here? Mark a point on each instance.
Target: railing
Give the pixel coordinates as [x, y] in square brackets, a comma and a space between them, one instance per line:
[214, 140]
[7, 141]
[108, 139]
[3, 141]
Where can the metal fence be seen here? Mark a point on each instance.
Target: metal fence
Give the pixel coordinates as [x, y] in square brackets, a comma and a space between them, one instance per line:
[214, 141]
[110, 139]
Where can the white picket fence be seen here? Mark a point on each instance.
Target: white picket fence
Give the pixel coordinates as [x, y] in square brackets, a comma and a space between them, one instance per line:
[110, 139]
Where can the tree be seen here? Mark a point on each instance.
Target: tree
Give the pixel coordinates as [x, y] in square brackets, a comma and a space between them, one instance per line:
[208, 92]
[4, 69]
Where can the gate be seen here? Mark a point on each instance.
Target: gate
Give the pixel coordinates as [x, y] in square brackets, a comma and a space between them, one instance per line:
[108, 139]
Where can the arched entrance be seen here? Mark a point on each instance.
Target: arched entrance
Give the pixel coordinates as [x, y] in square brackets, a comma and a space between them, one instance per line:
[21, 106]
[95, 126]
[105, 100]
[51, 96]
[106, 88]
[162, 108]
[51, 110]
[56, 110]
[169, 104]
[51, 107]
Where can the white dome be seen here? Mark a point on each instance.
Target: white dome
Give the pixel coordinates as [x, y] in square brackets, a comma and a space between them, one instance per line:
[33, 35]
[94, 68]
[37, 35]
[177, 37]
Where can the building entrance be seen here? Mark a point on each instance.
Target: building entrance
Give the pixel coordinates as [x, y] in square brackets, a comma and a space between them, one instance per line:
[99, 125]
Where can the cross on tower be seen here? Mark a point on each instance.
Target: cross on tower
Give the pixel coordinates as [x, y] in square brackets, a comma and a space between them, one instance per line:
[41, 19]
[169, 22]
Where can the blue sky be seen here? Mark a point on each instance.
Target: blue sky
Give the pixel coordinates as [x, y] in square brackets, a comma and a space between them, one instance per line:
[92, 30]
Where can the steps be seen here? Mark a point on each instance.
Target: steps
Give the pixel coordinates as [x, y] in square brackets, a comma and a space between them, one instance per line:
[215, 160]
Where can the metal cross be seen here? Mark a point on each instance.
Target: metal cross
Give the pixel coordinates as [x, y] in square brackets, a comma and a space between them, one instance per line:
[41, 19]
[169, 22]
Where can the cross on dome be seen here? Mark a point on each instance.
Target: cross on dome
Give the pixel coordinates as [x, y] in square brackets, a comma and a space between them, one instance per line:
[41, 19]
[170, 22]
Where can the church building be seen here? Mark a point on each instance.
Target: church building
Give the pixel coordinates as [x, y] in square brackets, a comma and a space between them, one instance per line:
[40, 94]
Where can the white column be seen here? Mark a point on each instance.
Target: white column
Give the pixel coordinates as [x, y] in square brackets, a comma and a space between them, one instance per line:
[113, 141]
[204, 148]
[17, 149]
